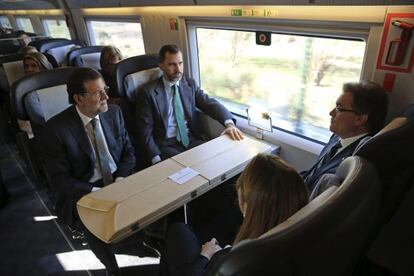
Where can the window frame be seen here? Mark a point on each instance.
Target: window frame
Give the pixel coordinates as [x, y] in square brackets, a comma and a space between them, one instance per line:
[46, 28]
[20, 27]
[8, 19]
[323, 29]
[123, 19]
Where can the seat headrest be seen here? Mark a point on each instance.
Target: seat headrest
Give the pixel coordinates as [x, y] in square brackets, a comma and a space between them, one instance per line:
[14, 71]
[41, 80]
[130, 66]
[88, 60]
[75, 53]
[135, 81]
[59, 53]
[43, 104]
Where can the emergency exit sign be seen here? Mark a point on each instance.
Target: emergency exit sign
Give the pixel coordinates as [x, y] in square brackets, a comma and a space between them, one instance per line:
[236, 12]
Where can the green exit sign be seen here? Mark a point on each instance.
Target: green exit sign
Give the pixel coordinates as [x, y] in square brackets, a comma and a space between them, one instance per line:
[236, 12]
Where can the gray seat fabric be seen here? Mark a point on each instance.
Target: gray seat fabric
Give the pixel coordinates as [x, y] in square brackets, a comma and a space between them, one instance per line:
[326, 237]
[85, 57]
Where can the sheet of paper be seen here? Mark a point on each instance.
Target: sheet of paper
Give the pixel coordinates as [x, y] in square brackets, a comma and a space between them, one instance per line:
[183, 175]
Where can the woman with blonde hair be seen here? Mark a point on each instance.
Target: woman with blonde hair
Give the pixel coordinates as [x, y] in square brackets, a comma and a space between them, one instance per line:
[35, 62]
[269, 192]
[110, 56]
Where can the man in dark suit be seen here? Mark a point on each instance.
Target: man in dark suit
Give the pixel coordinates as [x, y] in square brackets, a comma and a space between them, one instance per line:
[166, 110]
[360, 111]
[87, 147]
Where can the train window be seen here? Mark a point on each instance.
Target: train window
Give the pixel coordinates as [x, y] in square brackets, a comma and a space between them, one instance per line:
[296, 79]
[5, 22]
[56, 28]
[125, 35]
[24, 23]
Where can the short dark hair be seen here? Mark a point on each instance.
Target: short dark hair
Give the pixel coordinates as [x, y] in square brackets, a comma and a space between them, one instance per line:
[371, 99]
[77, 79]
[169, 48]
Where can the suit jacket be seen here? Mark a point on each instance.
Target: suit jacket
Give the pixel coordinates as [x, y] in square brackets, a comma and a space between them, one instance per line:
[152, 112]
[331, 166]
[70, 159]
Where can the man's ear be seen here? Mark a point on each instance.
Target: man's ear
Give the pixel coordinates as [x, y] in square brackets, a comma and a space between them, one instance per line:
[77, 98]
[362, 119]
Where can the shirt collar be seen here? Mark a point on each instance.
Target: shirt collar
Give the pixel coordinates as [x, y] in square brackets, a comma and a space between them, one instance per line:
[168, 84]
[85, 119]
[347, 141]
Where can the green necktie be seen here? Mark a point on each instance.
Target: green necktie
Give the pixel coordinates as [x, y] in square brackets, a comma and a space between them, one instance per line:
[101, 154]
[182, 135]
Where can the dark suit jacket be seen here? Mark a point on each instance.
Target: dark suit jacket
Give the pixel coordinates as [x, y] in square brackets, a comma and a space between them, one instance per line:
[332, 165]
[70, 160]
[152, 112]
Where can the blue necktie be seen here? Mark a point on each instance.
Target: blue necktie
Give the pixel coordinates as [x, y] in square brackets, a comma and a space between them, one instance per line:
[182, 135]
[101, 154]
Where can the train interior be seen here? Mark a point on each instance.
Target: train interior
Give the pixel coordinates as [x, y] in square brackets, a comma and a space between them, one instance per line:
[278, 66]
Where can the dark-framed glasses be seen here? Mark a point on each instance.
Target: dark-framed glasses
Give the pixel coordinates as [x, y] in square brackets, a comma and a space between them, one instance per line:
[98, 93]
[339, 109]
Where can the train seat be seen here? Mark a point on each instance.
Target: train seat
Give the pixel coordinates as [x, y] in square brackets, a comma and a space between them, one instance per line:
[14, 71]
[130, 74]
[85, 57]
[391, 152]
[37, 98]
[4, 83]
[56, 47]
[326, 237]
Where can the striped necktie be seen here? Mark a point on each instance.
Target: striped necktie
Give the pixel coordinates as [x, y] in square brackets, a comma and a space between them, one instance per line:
[101, 154]
[182, 135]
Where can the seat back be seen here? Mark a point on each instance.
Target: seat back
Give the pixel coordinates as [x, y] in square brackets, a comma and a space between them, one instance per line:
[4, 83]
[85, 57]
[40, 96]
[326, 237]
[392, 153]
[130, 75]
[56, 47]
[14, 71]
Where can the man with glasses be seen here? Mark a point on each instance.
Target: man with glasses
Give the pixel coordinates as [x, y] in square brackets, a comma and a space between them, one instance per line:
[360, 111]
[86, 148]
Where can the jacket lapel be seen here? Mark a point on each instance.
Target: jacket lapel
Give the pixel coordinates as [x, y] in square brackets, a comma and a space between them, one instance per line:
[77, 129]
[161, 101]
[186, 95]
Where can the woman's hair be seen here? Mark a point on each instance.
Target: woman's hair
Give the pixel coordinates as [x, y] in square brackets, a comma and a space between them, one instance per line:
[28, 49]
[40, 59]
[272, 191]
[107, 53]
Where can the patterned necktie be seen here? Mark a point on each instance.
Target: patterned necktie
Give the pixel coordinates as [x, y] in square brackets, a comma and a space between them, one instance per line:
[182, 135]
[101, 154]
[328, 156]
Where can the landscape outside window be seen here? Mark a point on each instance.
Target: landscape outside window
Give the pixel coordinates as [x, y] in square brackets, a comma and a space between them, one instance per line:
[56, 28]
[24, 24]
[127, 36]
[296, 79]
[5, 22]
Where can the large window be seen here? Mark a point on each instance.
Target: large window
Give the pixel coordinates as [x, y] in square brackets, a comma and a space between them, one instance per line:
[56, 28]
[24, 23]
[5, 22]
[127, 36]
[296, 79]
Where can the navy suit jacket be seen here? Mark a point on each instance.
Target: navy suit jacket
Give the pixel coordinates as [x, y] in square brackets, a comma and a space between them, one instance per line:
[332, 165]
[70, 159]
[152, 112]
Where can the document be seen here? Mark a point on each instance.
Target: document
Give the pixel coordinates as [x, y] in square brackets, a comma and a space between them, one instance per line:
[183, 175]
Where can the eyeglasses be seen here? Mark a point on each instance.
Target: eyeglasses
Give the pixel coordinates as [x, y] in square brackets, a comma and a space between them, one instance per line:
[340, 110]
[98, 93]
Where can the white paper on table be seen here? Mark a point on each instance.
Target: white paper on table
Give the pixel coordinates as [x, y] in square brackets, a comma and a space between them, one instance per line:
[183, 175]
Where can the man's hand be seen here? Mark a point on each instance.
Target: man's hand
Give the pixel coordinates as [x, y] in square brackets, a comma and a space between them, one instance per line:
[210, 248]
[232, 131]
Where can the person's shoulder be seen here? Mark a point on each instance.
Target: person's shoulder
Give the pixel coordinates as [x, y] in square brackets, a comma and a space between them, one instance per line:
[151, 85]
[59, 119]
